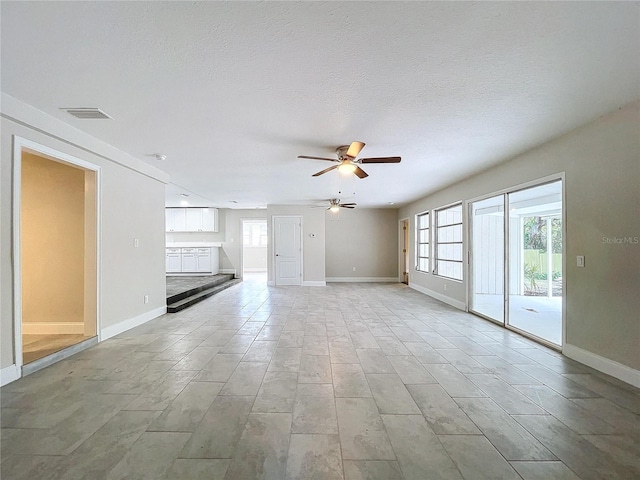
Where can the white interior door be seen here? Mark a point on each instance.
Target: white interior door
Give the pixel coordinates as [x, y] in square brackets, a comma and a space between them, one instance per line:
[287, 249]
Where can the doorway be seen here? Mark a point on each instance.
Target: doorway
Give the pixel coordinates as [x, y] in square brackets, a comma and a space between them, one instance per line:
[517, 260]
[287, 249]
[404, 250]
[254, 250]
[55, 253]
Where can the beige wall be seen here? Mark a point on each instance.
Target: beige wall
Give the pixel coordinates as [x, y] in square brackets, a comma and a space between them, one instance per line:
[52, 247]
[364, 238]
[313, 248]
[601, 162]
[131, 206]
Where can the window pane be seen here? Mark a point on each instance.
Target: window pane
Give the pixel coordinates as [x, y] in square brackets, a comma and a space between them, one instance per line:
[423, 250]
[423, 265]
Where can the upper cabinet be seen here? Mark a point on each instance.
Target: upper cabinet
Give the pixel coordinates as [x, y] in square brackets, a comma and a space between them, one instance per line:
[191, 219]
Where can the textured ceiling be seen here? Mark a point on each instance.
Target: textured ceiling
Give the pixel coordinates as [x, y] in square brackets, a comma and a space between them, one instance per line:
[233, 92]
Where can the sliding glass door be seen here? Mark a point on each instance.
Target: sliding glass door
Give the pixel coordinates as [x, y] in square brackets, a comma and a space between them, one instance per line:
[487, 259]
[516, 261]
[535, 261]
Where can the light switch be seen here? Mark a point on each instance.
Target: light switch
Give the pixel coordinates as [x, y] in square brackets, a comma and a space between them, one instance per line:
[580, 260]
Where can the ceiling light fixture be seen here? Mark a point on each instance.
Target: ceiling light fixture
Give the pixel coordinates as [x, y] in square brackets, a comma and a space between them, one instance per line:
[160, 156]
[334, 209]
[346, 167]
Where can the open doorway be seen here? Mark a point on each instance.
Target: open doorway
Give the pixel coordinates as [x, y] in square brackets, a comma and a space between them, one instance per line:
[254, 250]
[404, 250]
[55, 252]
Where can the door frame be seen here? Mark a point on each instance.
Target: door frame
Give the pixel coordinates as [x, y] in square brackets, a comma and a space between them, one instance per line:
[404, 257]
[21, 145]
[560, 176]
[273, 249]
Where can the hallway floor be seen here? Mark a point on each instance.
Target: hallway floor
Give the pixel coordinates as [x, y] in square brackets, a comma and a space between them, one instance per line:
[350, 381]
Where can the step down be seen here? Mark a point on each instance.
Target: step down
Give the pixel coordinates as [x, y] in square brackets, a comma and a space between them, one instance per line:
[214, 281]
[200, 295]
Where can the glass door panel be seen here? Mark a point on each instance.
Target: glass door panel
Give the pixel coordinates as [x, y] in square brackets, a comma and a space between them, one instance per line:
[535, 261]
[487, 258]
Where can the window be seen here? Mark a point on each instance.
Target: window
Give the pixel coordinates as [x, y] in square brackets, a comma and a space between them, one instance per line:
[422, 242]
[448, 239]
[254, 234]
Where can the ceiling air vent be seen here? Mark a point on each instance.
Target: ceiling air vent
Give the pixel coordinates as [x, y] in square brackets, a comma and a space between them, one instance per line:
[86, 113]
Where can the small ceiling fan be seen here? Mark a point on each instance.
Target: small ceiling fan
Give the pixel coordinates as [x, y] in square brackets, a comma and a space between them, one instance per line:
[347, 163]
[335, 205]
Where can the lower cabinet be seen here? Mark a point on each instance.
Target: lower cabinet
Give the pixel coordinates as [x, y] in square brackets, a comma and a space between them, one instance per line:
[192, 260]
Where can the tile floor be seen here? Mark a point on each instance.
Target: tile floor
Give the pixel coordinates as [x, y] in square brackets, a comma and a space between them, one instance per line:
[351, 381]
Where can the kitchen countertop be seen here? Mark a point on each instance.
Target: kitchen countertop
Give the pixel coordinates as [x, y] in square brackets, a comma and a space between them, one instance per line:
[193, 244]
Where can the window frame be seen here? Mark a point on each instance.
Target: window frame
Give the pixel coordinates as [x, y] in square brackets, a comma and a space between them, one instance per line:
[426, 213]
[437, 242]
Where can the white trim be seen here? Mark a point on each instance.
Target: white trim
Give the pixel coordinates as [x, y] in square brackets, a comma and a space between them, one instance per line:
[52, 328]
[313, 283]
[363, 279]
[602, 364]
[118, 328]
[255, 270]
[21, 144]
[438, 296]
[271, 283]
[9, 374]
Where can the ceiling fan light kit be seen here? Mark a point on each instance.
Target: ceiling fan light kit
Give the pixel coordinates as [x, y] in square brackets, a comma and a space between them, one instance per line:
[348, 163]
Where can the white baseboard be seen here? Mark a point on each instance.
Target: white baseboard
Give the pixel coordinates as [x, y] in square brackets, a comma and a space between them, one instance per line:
[602, 364]
[52, 328]
[9, 374]
[255, 270]
[271, 283]
[314, 283]
[363, 279]
[118, 328]
[438, 296]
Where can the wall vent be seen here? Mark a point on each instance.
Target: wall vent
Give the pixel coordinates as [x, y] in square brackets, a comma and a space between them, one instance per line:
[87, 113]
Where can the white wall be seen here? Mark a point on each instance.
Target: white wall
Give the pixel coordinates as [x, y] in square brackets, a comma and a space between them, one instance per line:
[601, 162]
[313, 249]
[132, 206]
[364, 238]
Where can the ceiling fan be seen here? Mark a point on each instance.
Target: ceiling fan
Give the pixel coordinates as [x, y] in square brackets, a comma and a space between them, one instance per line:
[335, 205]
[347, 163]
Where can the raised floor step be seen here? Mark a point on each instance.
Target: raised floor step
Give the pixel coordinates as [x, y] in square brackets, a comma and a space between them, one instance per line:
[200, 295]
[212, 282]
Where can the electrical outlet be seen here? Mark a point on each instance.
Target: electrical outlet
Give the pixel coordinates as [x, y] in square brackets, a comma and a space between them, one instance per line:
[445, 287]
[136, 243]
[146, 299]
[580, 260]
[354, 269]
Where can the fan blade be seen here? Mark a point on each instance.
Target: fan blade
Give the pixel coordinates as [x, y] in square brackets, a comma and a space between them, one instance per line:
[346, 206]
[360, 172]
[325, 170]
[354, 149]
[380, 160]
[349, 205]
[318, 158]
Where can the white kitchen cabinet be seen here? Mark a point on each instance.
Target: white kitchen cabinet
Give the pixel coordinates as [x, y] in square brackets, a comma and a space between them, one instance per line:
[191, 219]
[174, 260]
[203, 259]
[189, 262]
[175, 220]
[209, 219]
[193, 260]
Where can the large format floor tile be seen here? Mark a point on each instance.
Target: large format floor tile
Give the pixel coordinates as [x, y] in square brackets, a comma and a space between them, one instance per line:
[349, 381]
